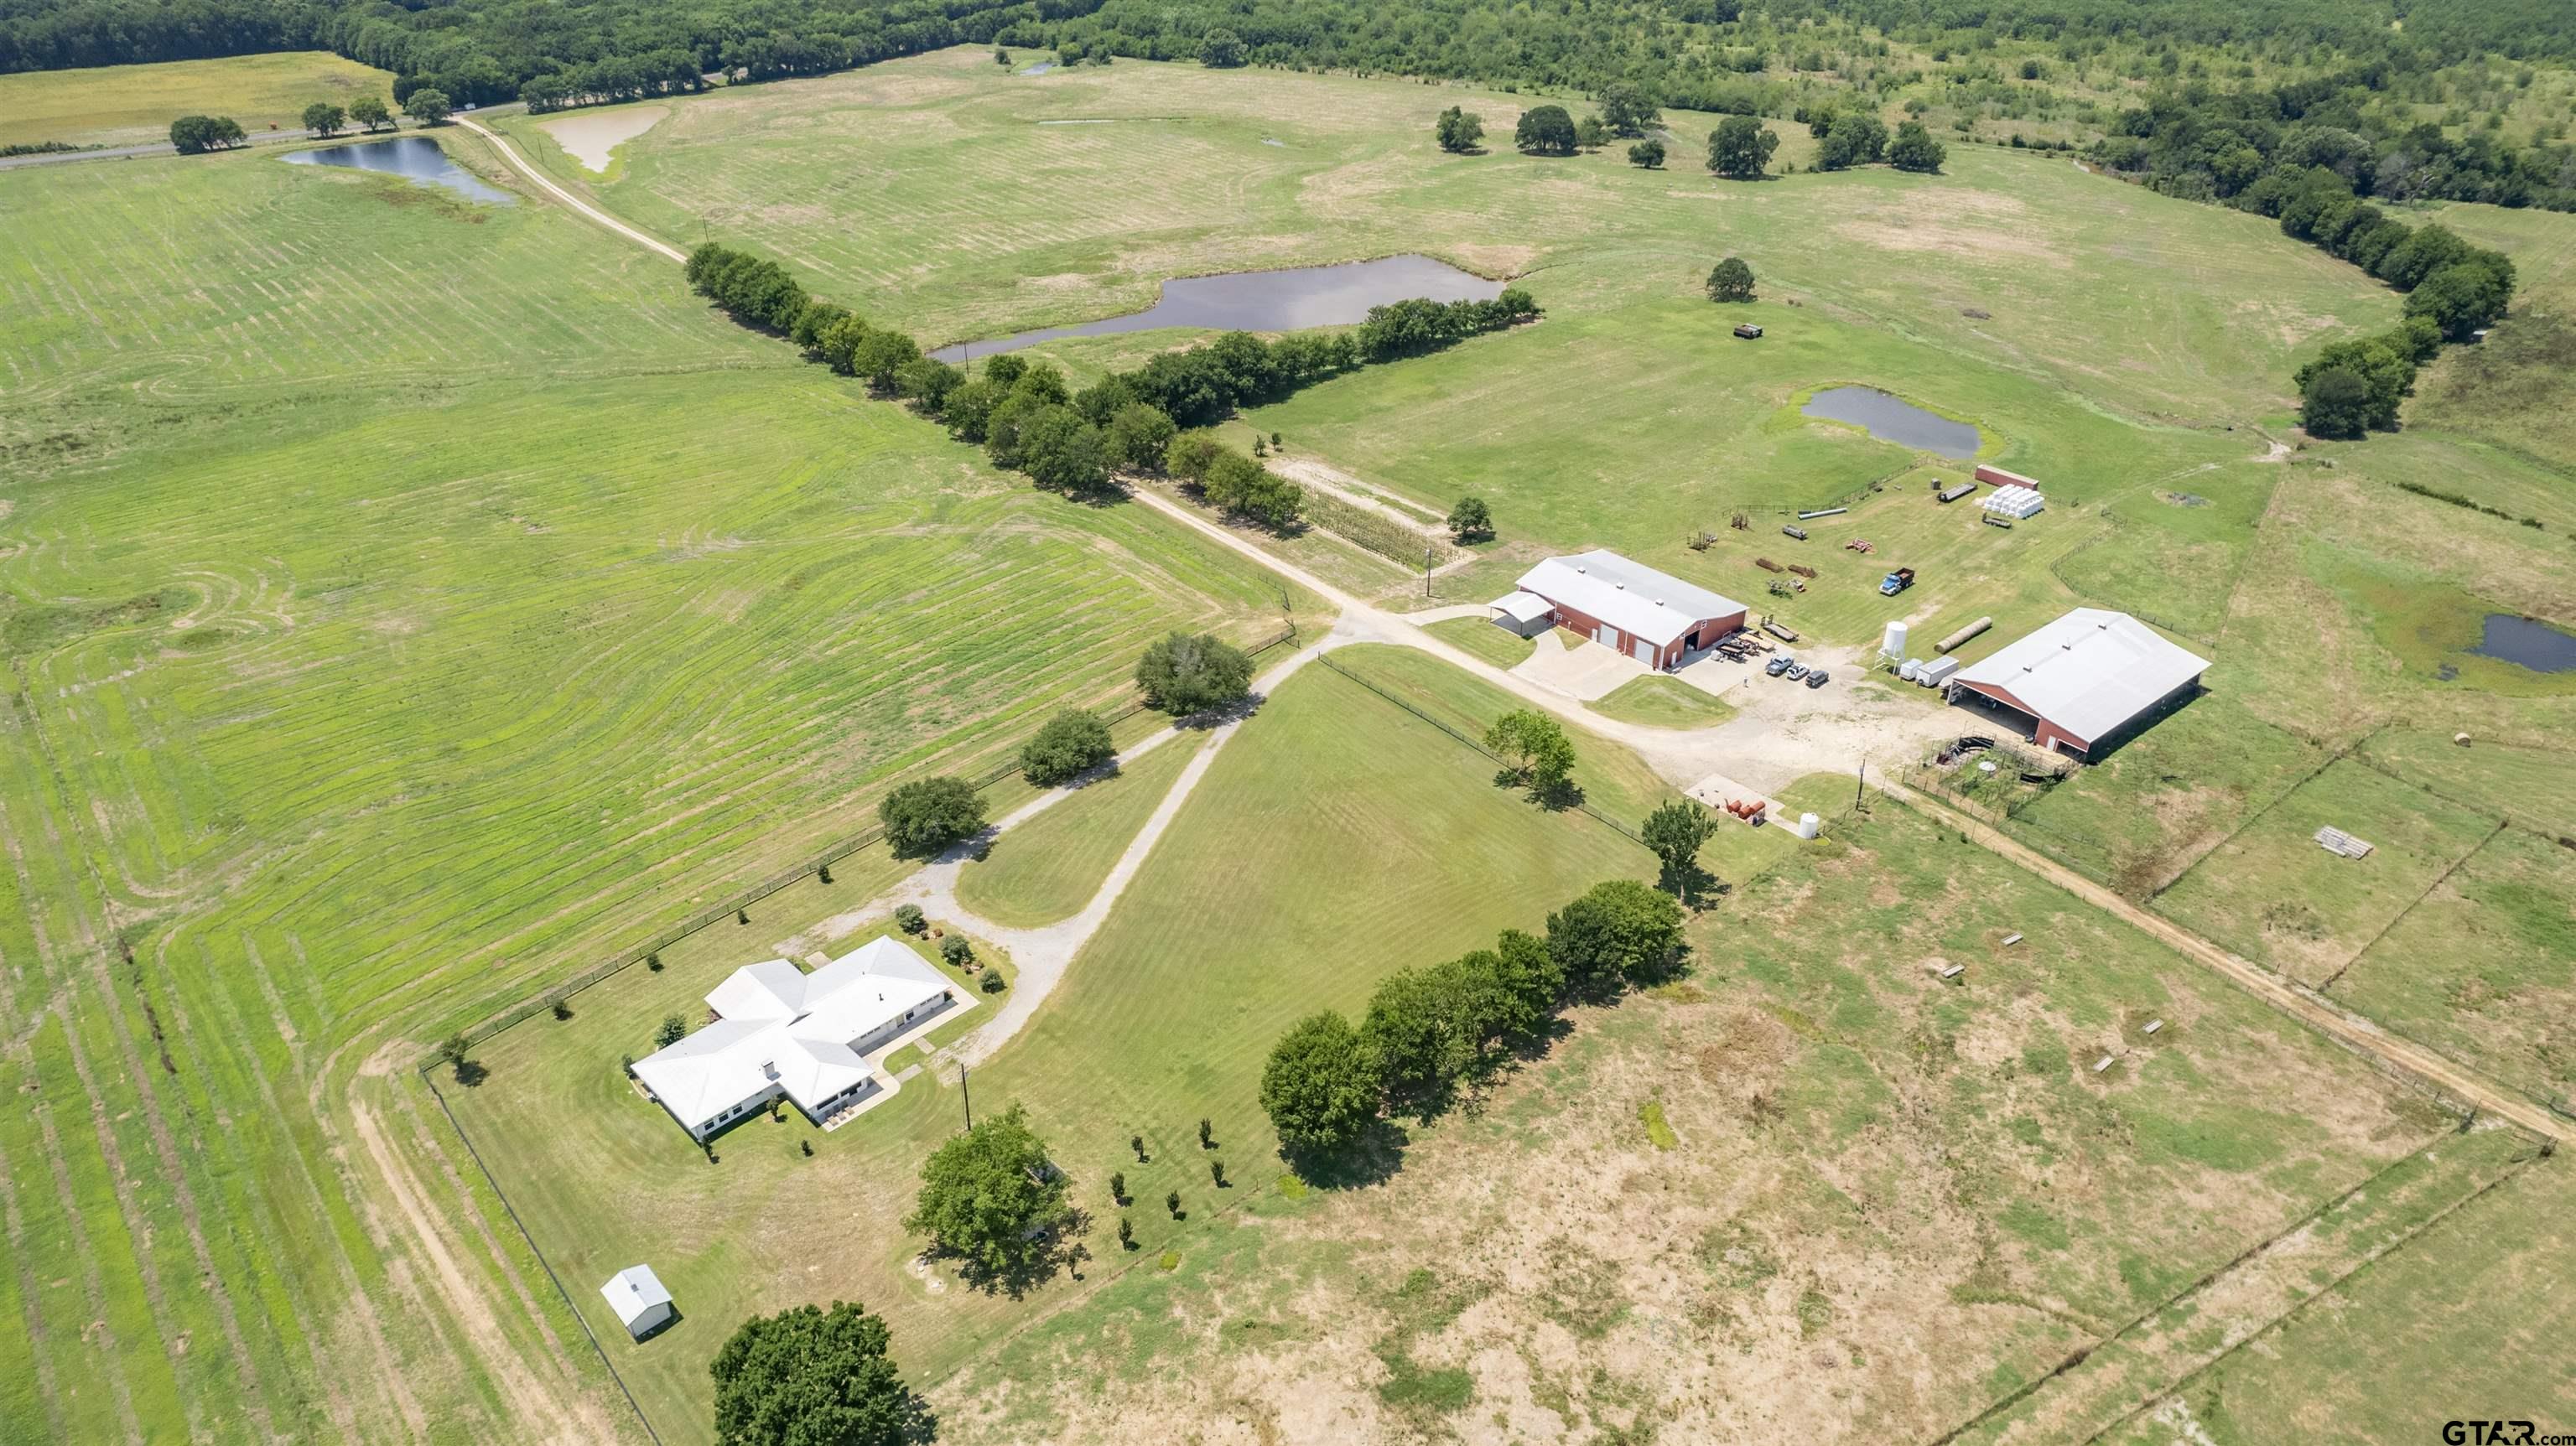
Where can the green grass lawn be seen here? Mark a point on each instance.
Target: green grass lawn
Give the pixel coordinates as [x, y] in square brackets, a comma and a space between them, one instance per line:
[1048, 868]
[1659, 701]
[1382, 842]
[129, 104]
[1479, 638]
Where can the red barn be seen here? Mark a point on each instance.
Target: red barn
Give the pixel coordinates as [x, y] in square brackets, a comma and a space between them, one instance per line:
[1650, 616]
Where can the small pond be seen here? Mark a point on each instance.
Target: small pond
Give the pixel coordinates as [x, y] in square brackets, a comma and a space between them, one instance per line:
[1041, 68]
[1893, 419]
[2525, 643]
[417, 159]
[1270, 301]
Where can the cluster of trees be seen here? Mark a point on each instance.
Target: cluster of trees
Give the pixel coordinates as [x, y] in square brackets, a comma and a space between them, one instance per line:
[813, 1377]
[670, 71]
[1187, 673]
[1432, 1031]
[2253, 148]
[324, 118]
[1853, 135]
[1233, 482]
[194, 135]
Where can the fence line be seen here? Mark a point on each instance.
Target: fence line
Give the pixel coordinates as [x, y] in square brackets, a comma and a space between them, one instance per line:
[743, 900]
[1326, 660]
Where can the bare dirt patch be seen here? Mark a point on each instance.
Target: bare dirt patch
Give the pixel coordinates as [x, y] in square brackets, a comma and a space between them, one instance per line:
[594, 136]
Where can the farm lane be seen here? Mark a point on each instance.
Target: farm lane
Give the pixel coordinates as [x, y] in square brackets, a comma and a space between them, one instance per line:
[580, 206]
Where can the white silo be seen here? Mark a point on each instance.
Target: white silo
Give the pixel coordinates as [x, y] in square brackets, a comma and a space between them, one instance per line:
[1892, 646]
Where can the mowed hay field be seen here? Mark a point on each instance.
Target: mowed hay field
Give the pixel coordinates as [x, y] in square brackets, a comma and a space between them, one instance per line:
[1884, 1203]
[397, 626]
[1335, 839]
[123, 105]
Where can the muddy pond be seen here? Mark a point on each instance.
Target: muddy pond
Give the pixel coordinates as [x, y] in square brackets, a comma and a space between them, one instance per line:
[2526, 643]
[416, 159]
[1269, 301]
[1891, 418]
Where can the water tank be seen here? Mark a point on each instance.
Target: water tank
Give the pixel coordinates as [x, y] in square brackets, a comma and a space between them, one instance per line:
[1893, 644]
[1808, 827]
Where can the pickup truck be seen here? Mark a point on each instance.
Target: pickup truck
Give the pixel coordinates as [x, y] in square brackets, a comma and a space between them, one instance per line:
[1896, 582]
[1778, 665]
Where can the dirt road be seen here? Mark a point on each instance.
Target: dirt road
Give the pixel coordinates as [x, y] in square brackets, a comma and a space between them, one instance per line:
[579, 205]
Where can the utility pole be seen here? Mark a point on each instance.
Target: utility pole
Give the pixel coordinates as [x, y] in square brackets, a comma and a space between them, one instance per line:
[964, 1094]
[1426, 571]
[1861, 782]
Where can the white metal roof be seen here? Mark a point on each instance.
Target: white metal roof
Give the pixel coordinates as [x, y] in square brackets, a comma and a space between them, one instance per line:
[1521, 607]
[1629, 596]
[633, 1291]
[805, 1052]
[2088, 672]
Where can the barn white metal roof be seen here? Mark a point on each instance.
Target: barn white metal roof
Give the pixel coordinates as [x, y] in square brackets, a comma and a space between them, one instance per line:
[1629, 596]
[2088, 672]
[633, 1291]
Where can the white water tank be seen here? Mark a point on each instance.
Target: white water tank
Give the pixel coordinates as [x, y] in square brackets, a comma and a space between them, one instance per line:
[1892, 646]
[1808, 826]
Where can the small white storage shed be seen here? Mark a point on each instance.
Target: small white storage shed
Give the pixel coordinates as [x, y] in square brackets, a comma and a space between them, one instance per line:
[636, 1294]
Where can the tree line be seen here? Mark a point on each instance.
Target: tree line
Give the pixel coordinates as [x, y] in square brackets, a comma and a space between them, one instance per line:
[1150, 419]
[1434, 1030]
[479, 52]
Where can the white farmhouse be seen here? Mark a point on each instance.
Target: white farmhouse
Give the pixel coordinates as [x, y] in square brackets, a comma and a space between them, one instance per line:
[636, 1294]
[783, 1032]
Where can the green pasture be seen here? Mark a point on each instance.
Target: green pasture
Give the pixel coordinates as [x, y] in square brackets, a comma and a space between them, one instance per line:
[124, 105]
[1339, 799]
[1048, 868]
[966, 201]
[2274, 895]
[2483, 967]
[1808, 1065]
[2473, 1304]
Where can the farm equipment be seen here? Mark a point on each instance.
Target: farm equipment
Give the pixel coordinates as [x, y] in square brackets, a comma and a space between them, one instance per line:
[1749, 332]
[1896, 582]
[1767, 565]
[1802, 570]
[1991, 520]
[1811, 516]
[1953, 494]
[1799, 533]
[1858, 544]
[1781, 631]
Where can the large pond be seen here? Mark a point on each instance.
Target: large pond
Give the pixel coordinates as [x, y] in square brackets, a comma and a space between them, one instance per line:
[2529, 644]
[1270, 301]
[417, 159]
[1893, 419]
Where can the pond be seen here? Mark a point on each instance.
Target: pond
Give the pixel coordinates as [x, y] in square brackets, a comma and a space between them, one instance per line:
[417, 159]
[2527, 643]
[1270, 301]
[1893, 419]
